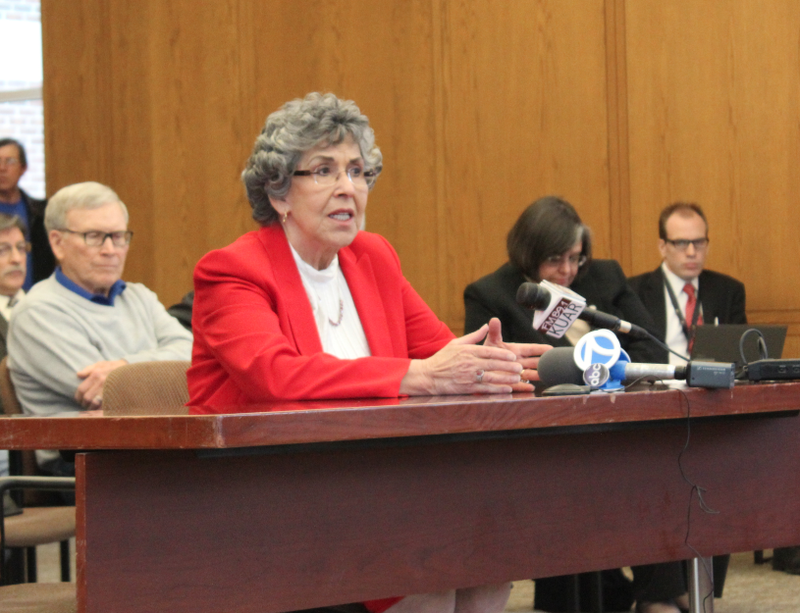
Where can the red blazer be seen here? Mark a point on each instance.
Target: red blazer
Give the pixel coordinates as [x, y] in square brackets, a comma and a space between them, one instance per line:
[255, 338]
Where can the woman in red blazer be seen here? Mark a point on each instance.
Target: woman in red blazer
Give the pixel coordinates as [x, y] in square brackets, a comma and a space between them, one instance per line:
[312, 307]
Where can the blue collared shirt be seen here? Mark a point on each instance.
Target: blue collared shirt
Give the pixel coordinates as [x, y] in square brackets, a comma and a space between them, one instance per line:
[116, 289]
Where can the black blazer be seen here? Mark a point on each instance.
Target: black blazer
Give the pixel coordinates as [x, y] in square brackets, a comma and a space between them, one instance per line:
[3, 337]
[603, 285]
[3, 348]
[44, 263]
[722, 298]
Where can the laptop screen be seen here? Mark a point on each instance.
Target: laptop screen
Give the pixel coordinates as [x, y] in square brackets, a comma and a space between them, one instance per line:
[721, 343]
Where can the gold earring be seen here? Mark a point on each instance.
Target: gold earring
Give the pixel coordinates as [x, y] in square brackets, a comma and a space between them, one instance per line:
[285, 216]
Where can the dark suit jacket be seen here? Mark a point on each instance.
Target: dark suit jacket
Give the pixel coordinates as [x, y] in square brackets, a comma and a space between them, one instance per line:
[722, 298]
[602, 284]
[3, 337]
[3, 347]
[44, 263]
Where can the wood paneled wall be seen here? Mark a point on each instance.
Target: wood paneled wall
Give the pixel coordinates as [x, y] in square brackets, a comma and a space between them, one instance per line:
[479, 108]
[714, 117]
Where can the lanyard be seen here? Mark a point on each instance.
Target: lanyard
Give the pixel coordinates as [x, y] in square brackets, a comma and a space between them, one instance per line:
[687, 331]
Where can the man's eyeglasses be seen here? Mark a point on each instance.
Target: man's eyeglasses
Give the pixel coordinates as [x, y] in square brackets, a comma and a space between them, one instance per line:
[95, 238]
[9, 161]
[328, 175]
[682, 244]
[575, 261]
[6, 249]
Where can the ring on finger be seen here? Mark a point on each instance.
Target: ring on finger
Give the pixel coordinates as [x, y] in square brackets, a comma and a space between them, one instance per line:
[479, 376]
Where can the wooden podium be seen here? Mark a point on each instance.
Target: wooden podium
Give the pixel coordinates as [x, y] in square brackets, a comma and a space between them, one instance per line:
[297, 505]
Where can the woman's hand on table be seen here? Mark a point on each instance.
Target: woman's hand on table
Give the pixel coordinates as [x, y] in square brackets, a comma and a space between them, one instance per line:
[465, 367]
[528, 355]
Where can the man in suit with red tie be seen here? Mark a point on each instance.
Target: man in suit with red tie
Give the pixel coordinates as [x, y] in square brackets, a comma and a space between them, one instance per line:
[680, 294]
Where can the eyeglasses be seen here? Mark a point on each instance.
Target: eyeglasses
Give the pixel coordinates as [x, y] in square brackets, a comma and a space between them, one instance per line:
[575, 261]
[682, 244]
[6, 249]
[96, 238]
[328, 175]
[9, 161]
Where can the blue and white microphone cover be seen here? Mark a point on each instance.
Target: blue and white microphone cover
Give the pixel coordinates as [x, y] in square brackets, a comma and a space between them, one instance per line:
[596, 376]
[599, 347]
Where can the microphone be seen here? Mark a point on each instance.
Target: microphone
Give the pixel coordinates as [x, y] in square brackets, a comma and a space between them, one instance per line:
[556, 308]
[558, 366]
[628, 371]
[711, 375]
[598, 319]
[538, 296]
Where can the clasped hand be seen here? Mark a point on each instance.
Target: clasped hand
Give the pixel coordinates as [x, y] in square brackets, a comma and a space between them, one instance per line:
[465, 367]
[90, 392]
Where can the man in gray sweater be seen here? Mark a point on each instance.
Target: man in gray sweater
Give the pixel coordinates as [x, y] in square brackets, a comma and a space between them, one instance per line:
[82, 322]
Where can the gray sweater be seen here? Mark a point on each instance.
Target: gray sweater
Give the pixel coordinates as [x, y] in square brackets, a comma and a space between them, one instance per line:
[54, 333]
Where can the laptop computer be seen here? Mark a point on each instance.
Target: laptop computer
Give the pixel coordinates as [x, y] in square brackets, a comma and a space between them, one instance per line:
[721, 343]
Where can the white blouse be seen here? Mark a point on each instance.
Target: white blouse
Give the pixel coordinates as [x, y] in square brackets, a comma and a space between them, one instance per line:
[335, 313]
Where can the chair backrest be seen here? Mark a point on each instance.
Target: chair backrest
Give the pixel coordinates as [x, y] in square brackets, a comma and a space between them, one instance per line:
[146, 388]
[21, 462]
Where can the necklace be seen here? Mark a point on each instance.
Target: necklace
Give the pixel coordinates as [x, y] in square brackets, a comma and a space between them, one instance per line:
[341, 305]
[341, 315]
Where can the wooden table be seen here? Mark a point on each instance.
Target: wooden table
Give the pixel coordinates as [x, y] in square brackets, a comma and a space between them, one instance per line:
[304, 504]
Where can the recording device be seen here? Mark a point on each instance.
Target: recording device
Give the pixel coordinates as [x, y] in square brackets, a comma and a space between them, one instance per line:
[766, 369]
[556, 305]
[772, 370]
[558, 366]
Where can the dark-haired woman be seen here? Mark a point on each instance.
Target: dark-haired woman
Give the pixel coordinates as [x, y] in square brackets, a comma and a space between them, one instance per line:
[550, 242]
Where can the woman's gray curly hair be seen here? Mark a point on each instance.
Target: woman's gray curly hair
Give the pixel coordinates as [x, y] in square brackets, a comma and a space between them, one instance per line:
[300, 125]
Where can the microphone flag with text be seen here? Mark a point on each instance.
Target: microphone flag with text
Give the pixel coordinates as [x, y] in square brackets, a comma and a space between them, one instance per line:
[556, 309]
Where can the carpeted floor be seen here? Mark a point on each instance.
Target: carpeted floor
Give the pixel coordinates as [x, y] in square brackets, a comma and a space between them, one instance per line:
[749, 588]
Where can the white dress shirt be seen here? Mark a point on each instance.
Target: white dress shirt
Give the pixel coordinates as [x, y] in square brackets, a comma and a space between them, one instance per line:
[8, 302]
[675, 338]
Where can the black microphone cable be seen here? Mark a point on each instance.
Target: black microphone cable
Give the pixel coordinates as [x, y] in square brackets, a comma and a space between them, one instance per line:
[699, 490]
[762, 350]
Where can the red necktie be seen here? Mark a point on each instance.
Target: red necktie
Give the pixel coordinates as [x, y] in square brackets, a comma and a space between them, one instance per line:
[691, 304]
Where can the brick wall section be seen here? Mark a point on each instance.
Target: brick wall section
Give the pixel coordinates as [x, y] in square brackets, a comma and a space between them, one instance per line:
[25, 120]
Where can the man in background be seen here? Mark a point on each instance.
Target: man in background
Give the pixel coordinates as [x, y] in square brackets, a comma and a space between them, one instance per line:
[681, 294]
[13, 260]
[84, 321]
[14, 201]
